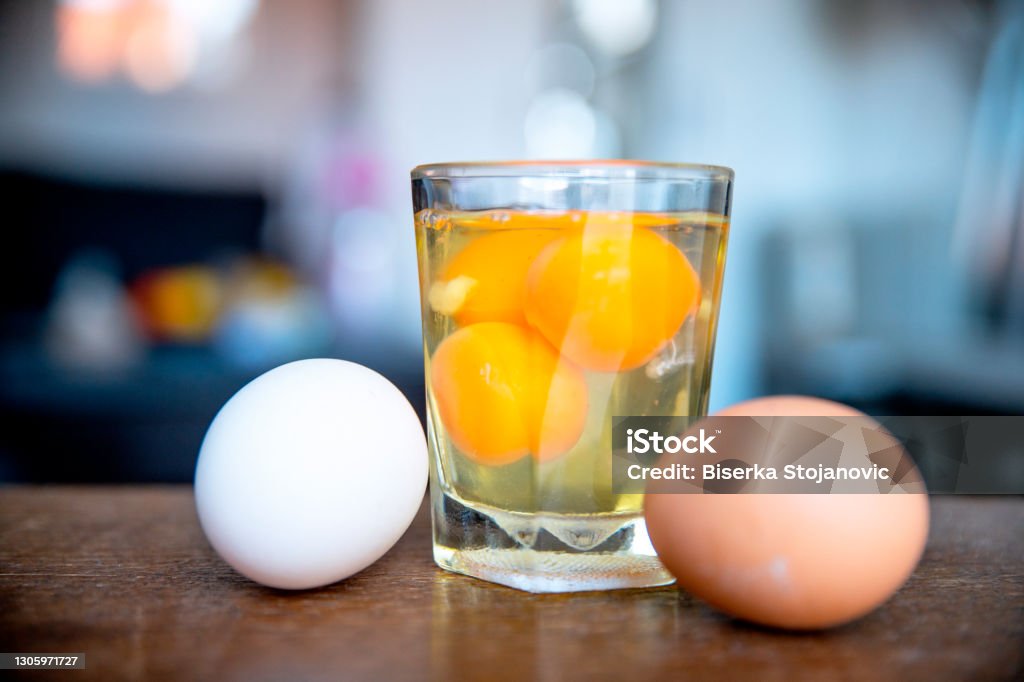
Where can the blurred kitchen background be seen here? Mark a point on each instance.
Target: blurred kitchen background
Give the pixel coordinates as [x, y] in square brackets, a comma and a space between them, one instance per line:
[194, 191]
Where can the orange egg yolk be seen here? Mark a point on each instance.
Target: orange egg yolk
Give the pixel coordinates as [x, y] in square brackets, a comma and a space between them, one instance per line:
[502, 392]
[486, 280]
[611, 295]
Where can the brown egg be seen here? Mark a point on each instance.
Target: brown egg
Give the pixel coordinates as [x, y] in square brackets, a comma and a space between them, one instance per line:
[797, 561]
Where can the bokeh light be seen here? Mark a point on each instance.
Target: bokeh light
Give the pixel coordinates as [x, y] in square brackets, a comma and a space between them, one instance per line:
[560, 124]
[561, 65]
[160, 51]
[617, 27]
[157, 44]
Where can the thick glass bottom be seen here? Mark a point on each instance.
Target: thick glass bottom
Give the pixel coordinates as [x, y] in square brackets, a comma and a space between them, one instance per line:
[545, 552]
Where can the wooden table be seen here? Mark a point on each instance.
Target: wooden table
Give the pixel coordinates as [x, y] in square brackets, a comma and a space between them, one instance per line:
[125, 576]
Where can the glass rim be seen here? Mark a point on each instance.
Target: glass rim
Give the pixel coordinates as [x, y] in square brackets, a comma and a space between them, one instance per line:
[611, 169]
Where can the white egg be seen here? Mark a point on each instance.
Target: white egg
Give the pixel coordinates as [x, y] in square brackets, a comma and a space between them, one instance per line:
[310, 473]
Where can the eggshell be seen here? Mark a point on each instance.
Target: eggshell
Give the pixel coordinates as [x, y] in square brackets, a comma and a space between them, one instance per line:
[310, 473]
[798, 561]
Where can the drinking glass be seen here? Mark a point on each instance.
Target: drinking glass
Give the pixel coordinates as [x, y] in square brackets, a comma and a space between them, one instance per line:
[556, 296]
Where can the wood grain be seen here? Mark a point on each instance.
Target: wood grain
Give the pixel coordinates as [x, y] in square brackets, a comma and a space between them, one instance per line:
[125, 575]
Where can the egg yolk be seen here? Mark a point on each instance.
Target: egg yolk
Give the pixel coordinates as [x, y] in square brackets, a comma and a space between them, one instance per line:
[502, 392]
[486, 281]
[611, 295]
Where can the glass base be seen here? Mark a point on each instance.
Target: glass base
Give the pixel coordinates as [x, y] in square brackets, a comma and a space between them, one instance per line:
[545, 552]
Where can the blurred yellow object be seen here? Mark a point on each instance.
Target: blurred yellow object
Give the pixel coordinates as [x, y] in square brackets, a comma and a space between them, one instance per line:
[258, 279]
[180, 303]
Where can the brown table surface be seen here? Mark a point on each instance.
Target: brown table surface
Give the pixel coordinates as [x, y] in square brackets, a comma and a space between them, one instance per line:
[124, 575]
